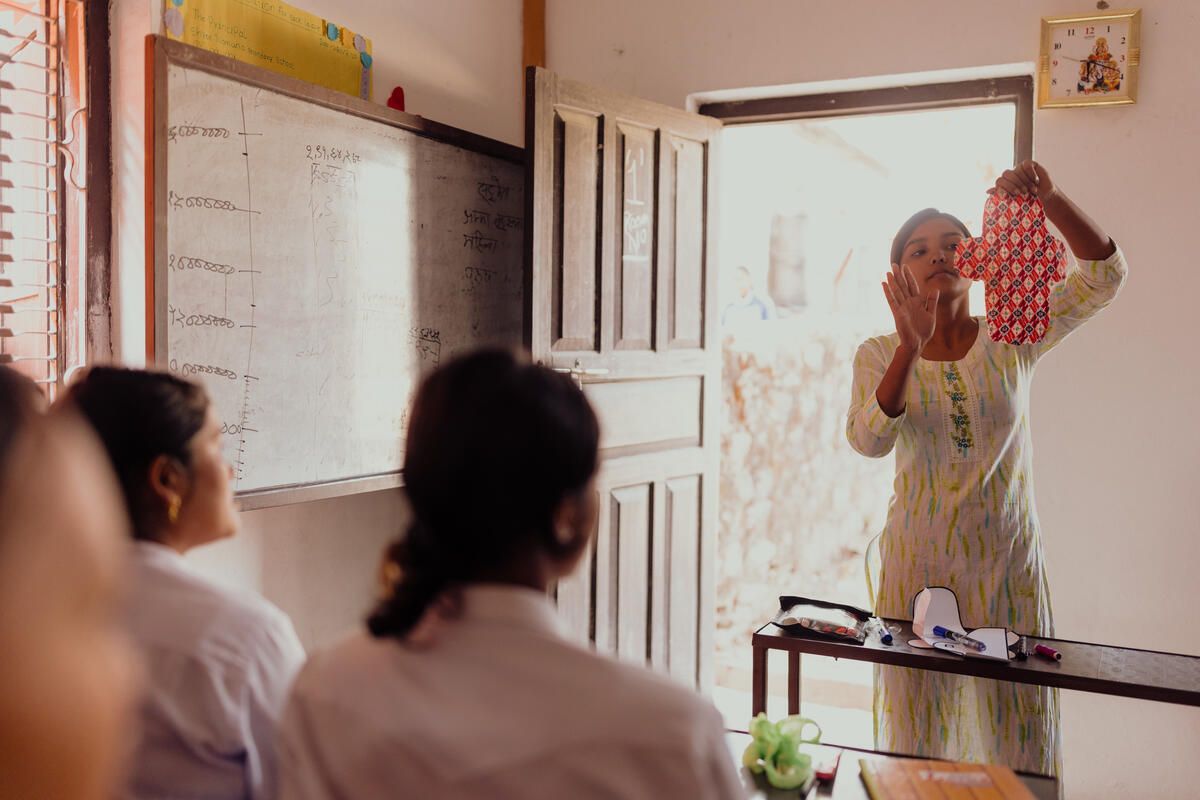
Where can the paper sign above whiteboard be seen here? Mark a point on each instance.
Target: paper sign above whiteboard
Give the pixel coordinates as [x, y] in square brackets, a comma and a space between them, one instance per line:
[277, 36]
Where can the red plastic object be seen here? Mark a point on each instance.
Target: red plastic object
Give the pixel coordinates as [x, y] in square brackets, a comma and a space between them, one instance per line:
[827, 770]
[396, 101]
[1019, 260]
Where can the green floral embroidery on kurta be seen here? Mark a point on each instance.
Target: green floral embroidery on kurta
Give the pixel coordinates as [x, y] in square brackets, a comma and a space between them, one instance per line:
[956, 390]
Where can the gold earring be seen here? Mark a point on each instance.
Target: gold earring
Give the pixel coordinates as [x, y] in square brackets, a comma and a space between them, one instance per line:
[173, 510]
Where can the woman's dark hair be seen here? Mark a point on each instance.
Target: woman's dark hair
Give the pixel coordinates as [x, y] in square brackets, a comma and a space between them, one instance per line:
[140, 415]
[494, 446]
[20, 403]
[917, 220]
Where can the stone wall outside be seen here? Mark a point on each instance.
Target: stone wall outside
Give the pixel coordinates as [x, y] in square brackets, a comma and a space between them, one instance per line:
[798, 505]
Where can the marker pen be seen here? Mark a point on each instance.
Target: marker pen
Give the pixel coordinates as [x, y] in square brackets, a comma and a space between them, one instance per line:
[1047, 652]
[960, 638]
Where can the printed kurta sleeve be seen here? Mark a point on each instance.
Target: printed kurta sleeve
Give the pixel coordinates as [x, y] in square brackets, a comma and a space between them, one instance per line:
[871, 432]
[1083, 295]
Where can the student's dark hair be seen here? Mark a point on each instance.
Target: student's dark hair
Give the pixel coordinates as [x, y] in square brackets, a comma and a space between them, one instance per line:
[140, 415]
[494, 446]
[917, 220]
[20, 403]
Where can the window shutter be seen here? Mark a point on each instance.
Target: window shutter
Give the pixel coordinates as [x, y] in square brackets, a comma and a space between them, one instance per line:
[40, 309]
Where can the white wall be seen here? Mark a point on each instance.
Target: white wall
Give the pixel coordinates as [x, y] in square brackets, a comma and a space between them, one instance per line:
[1114, 417]
[459, 62]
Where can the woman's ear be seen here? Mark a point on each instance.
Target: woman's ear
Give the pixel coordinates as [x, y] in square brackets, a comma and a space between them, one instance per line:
[573, 524]
[168, 481]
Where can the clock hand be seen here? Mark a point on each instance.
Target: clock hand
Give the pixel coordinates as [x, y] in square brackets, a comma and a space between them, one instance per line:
[1099, 64]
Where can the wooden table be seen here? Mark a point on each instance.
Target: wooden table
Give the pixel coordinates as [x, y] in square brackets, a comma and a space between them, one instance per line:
[848, 784]
[1121, 671]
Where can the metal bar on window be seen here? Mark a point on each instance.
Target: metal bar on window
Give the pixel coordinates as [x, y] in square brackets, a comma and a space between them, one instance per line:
[31, 189]
[12, 35]
[26, 10]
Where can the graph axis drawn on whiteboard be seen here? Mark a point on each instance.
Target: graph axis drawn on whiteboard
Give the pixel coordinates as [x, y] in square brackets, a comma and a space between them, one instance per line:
[367, 257]
[247, 377]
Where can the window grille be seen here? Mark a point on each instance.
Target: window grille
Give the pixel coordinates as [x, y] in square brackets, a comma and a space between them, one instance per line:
[41, 197]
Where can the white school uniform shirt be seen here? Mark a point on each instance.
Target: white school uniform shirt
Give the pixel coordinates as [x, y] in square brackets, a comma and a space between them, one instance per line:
[219, 664]
[498, 706]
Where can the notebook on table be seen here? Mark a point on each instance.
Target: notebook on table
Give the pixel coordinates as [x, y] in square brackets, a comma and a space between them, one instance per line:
[917, 779]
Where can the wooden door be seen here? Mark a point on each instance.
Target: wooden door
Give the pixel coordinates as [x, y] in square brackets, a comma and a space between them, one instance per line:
[621, 278]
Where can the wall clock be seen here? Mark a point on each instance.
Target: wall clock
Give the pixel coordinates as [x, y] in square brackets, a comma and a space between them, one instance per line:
[1090, 60]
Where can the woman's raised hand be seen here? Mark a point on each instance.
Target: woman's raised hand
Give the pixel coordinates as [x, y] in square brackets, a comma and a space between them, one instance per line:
[913, 312]
[1028, 177]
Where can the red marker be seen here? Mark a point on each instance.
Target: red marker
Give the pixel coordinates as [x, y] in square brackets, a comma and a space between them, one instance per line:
[1048, 652]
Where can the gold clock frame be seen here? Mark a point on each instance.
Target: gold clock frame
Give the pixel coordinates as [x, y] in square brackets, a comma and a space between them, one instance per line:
[1134, 61]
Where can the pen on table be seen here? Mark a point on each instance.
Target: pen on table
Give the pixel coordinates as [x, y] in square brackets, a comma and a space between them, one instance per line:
[960, 638]
[885, 635]
[1047, 652]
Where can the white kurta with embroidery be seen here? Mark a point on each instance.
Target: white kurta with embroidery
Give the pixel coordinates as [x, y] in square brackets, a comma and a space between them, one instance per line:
[962, 515]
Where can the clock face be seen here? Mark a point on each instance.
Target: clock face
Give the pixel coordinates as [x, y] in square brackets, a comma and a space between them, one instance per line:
[1089, 59]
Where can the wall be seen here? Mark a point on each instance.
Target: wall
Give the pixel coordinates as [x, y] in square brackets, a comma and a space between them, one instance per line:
[459, 62]
[1116, 441]
[1113, 408]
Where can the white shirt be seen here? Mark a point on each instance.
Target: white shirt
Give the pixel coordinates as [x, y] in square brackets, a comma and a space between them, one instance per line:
[219, 665]
[498, 706]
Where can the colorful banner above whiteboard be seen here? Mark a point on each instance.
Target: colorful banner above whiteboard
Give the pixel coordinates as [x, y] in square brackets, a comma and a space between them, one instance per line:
[275, 35]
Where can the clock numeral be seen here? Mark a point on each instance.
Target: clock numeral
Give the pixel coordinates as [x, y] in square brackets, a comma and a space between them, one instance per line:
[1070, 31]
[1108, 28]
[1058, 45]
[1054, 81]
[1122, 40]
[1089, 30]
[1055, 62]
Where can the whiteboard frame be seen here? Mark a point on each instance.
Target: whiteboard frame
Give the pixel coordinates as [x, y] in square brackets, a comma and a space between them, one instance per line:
[161, 54]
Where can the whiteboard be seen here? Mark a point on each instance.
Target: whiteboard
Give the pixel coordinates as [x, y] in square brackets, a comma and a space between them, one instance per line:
[312, 262]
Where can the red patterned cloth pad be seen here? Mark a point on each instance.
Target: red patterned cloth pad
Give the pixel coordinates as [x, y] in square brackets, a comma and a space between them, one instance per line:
[1018, 260]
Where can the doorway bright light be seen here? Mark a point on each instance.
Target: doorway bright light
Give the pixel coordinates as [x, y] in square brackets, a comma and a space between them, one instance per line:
[809, 208]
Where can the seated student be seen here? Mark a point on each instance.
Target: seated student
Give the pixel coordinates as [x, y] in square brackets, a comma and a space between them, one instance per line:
[462, 685]
[219, 662]
[67, 672]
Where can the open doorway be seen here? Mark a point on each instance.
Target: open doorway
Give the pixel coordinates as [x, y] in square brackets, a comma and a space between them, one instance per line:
[808, 206]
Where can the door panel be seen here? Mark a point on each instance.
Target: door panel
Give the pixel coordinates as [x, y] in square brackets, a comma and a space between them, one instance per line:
[631, 509]
[648, 415]
[681, 573]
[636, 271]
[688, 277]
[620, 211]
[576, 267]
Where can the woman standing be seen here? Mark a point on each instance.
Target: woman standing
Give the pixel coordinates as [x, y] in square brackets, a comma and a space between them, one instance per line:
[955, 407]
[219, 663]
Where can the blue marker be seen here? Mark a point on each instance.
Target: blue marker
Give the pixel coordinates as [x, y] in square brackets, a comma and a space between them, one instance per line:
[960, 638]
[885, 635]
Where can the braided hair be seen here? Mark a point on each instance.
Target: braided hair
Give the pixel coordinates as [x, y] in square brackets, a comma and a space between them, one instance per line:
[494, 446]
